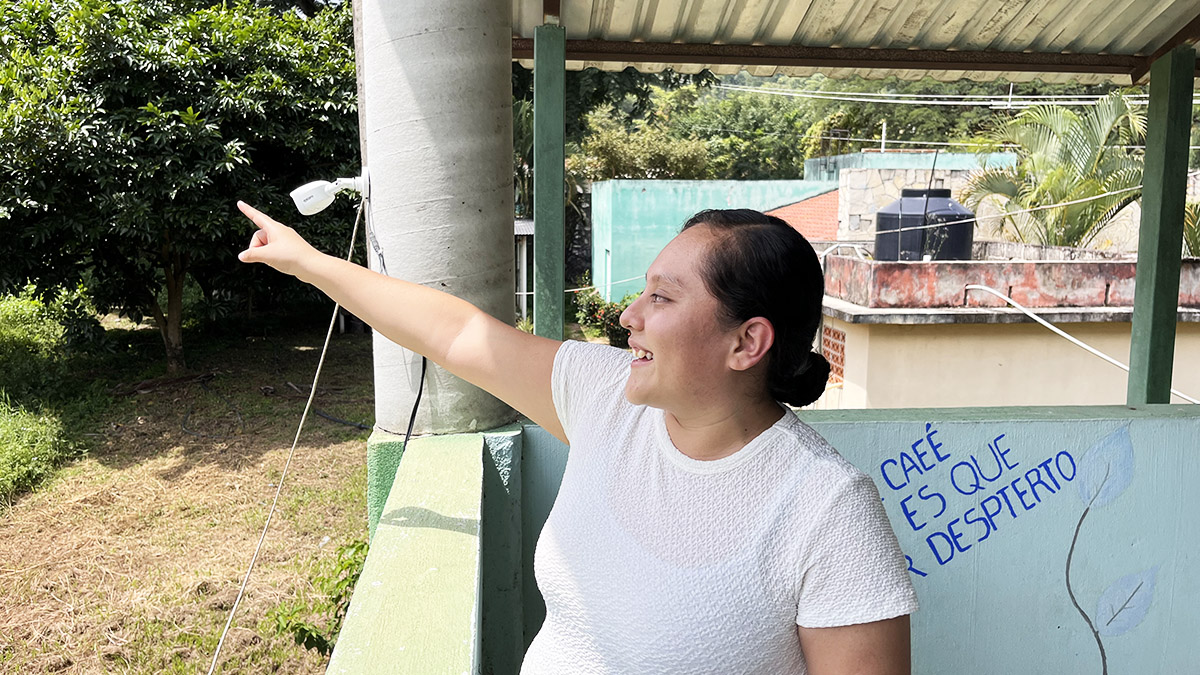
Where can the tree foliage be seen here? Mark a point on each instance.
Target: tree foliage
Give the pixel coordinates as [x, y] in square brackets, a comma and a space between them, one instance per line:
[1064, 156]
[768, 134]
[628, 92]
[748, 136]
[610, 150]
[523, 157]
[864, 119]
[128, 130]
[1191, 230]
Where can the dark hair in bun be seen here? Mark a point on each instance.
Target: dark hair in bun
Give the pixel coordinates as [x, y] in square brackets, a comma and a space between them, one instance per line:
[766, 268]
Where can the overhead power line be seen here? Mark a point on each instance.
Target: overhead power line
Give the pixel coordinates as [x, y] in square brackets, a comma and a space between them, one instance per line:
[962, 144]
[965, 100]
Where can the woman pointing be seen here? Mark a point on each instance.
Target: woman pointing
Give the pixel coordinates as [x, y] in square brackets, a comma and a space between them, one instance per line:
[700, 526]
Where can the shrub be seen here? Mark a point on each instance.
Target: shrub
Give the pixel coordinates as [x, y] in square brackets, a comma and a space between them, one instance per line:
[31, 344]
[73, 309]
[31, 446]
[586, 303]
[595, 312]
[608, 319]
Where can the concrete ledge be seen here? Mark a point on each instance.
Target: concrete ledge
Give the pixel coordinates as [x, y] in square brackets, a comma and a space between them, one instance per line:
[855, 313]
[415, 607]
[1016, 414]
[384, 451]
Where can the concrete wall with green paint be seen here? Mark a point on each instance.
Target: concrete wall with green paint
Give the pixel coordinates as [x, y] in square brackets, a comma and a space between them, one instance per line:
[991, 504]
[828, 168]
[633, 219]
[1039, 540]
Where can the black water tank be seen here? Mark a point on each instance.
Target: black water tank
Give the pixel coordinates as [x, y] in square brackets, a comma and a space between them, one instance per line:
[919, 209]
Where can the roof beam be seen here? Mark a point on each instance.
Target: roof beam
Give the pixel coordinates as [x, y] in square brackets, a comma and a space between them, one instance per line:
[841, 57]
[1189, 33]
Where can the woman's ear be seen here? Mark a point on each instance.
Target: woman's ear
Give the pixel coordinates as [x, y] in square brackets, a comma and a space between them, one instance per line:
[754, 339]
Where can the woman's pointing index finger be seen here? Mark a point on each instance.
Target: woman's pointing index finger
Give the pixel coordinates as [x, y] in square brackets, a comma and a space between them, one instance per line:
[257, 217]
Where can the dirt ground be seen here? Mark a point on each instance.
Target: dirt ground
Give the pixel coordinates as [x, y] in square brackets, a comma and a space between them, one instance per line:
[130, 559]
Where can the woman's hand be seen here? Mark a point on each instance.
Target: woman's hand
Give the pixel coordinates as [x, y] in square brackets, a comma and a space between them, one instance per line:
[275, 244]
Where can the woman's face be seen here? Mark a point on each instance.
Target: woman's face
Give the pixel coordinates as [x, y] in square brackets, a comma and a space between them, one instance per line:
[679, 339]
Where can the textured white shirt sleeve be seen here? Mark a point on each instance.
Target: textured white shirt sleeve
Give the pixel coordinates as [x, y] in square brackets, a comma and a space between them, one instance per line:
[854, 571]
[587, 380]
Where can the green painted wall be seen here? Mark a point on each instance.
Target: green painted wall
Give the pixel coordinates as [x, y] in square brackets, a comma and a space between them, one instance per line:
[414, 608]
[543, 461]
[1001, 605]
[827, 168]
[633, 219]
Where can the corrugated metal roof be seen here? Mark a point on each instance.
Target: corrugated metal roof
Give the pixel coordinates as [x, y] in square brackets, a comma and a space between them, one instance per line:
[1092, 27]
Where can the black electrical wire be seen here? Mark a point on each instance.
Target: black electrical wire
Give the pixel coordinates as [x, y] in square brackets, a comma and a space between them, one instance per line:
[412, 419]
[321, 413]
[187, 416]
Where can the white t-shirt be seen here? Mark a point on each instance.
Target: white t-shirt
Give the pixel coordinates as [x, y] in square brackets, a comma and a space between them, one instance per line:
[654, 562]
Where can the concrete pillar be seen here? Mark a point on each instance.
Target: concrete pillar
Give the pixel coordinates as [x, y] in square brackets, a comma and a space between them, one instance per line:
[1160, 240]
[549, 199]
[439, 127]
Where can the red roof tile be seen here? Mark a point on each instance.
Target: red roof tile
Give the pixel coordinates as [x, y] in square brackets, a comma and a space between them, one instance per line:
[816, 217]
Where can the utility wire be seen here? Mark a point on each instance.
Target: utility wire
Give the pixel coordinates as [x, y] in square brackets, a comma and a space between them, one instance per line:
[998, 97]
[279, 488]
[963, 144]
[1061, 333]
[1001, 102]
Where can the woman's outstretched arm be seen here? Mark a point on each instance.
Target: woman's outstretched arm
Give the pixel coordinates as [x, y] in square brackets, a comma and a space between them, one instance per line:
[512, 365]
[876, 648]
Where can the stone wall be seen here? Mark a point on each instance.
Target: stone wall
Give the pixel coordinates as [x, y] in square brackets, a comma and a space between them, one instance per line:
[862, 192]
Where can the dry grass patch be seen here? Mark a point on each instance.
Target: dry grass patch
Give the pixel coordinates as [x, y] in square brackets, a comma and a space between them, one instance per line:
[129, 560]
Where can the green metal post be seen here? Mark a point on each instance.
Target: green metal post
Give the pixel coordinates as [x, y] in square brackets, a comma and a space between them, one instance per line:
[1160, 241]
[549, 205]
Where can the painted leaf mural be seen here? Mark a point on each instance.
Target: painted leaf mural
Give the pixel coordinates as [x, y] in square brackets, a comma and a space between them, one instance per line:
[1124, 604]
[1106, 469]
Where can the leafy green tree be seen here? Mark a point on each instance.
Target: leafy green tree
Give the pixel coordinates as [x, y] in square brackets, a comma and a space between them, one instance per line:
[1064, 156]
[128, 130]
[628, 92]
[818, 118]
[749, 136]
[610, 150]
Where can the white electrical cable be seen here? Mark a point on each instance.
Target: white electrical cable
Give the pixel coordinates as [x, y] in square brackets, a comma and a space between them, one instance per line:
[279, 488]
[1077, 342]
[858, 249]
[585, 288]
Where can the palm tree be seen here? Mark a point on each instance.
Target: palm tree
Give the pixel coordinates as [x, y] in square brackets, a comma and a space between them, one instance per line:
[1191, 230]
[1064, 156]
[523, 157]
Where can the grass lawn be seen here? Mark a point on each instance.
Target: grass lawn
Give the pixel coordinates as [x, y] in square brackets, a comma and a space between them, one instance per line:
[129, 558]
